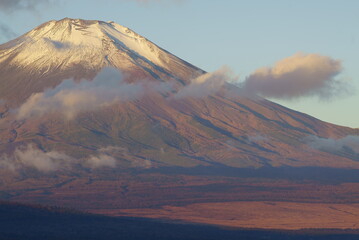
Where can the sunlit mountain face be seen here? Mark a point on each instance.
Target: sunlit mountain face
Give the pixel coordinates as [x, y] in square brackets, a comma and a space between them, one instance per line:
[98, 118]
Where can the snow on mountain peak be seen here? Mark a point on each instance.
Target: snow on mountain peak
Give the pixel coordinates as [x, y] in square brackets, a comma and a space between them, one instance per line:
[92, 44]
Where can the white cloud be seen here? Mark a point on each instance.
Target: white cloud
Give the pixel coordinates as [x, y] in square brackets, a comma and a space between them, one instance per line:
[298, 76]
[101, 160]
[31, 157]
[329, 144]
[104, 157]
[70, 98]
[207, 84]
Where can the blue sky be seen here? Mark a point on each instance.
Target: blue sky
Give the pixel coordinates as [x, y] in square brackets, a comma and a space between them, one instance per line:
[244, 35]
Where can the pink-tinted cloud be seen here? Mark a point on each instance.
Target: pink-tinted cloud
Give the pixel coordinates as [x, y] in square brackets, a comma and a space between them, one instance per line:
[70, 98]
[328, 144]
[298, 76]
[207, 84]
[31, 157]
[104, 157]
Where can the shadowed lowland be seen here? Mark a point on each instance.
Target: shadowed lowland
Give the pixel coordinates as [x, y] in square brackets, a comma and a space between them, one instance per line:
[30, 222]
[95, 117]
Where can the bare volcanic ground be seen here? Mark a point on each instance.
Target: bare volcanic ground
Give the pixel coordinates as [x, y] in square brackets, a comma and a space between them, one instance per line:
[264, 215]
[264, 198]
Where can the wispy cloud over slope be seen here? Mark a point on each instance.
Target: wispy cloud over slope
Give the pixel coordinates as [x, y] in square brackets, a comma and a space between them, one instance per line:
[207, 84]
[31, 157]
[328, 144]
[104, 157]
[71, 98]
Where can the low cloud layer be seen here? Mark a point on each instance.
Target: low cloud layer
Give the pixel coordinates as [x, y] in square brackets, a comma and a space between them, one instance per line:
[105, 157]
[348, 143]
[300, 75]
[207, 84]
[30, 157]
[71, 98]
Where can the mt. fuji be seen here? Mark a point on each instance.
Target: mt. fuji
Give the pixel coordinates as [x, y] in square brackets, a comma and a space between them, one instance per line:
[91, 109]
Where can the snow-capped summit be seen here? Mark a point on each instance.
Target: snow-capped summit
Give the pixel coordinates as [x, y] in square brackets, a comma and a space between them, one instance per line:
[92, 45]
[188, 130]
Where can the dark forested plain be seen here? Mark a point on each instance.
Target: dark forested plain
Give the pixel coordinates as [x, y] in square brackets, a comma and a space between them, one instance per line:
[27, 222]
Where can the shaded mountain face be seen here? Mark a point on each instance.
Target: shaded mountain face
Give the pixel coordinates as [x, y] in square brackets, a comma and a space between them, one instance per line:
[82, 96]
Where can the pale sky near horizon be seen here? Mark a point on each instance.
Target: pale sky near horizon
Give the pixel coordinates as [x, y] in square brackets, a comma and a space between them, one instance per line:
[244, 35]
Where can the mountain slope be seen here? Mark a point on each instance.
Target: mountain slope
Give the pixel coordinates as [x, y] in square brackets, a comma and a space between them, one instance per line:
[95, 117]
[77, 48]
[156, 129]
